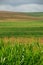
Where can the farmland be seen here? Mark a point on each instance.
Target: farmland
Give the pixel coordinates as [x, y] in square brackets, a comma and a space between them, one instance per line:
[21, 38]
[21, 28]
[20, 53]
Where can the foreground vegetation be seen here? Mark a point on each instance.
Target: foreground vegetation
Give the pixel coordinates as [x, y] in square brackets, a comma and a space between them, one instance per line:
[20, 53]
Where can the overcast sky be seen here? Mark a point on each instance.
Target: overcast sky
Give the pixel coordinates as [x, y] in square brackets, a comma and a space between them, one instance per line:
[22, 5]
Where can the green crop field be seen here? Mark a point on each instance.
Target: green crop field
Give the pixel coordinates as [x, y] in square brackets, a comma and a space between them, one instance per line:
[21, 54]
[36, 14]
[21, 28]
[21, 38]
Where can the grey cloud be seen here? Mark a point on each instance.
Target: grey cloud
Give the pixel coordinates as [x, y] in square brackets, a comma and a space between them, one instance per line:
[16, 2]
[23, 8]
[22, 5]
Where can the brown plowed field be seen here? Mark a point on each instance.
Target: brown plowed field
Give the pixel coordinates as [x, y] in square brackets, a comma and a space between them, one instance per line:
[17, 15]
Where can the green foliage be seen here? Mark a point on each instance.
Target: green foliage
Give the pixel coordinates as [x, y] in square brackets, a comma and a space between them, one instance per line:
[20, 32]
[21, 28]
[35, 14]
[21, 54]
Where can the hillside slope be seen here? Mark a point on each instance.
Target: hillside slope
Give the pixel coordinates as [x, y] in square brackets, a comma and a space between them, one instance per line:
[21, 15]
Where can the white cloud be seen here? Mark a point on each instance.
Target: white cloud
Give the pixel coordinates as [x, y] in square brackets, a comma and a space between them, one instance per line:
[23, 8]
